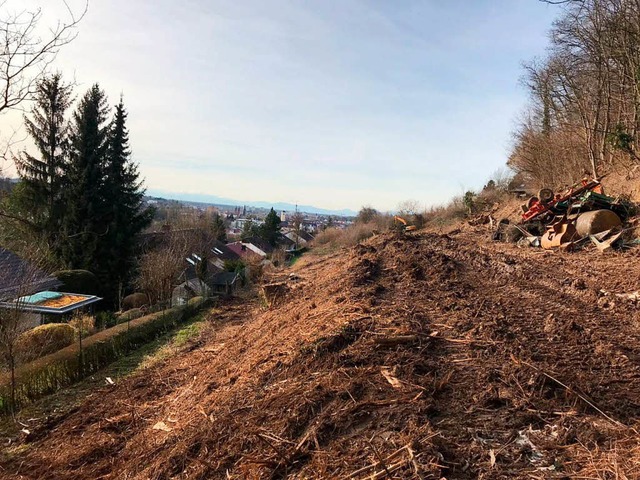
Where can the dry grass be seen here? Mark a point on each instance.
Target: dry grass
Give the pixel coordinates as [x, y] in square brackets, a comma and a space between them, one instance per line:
[44, 340]
[444, 215]
[620, 460]
[84, 323]
[347, 237]
[332, 239]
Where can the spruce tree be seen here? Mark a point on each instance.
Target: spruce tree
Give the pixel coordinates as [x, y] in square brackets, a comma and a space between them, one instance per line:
[42, 176]
[128, 216]
[86, 224]
[270, 228]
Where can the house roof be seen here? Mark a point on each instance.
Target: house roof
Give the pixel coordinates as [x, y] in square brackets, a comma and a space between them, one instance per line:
[246, 250]
[51, 302]
[285, 241]
[191, 274]
[220, 250]
[302, 235]
[261, 244]
[20, 277]
[306, 236]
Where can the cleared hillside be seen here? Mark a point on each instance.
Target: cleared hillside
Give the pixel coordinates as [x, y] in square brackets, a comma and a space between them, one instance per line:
[418, 356]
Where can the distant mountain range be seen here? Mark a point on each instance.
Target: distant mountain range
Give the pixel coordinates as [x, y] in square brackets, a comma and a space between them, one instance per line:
[278, 206]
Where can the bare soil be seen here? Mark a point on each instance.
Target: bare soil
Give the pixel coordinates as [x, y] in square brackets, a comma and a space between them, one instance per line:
[417, 356]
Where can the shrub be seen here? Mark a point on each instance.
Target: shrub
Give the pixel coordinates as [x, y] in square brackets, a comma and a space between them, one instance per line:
[329, 235]
[357, 233]
[367, 215]
[135, 300]
[447, 214]
[278, 257]
[195, 301]
[105, 320]
[84, 324]
[351, 236]
[234, 265]
[44, 340]
[78, 281]
[130, 315]
[255, 269]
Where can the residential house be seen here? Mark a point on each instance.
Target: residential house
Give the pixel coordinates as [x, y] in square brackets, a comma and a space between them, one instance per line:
[246, 251]
[214, 280]
[222, 254]
[300, 239]
[285, 242]
[260, 245]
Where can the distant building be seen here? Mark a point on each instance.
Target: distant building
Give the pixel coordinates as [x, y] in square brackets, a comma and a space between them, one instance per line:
[214, 280]
[301, 239]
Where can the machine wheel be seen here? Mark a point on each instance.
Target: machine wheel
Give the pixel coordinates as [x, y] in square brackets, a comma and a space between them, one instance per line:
[545, 195]
[531, 202]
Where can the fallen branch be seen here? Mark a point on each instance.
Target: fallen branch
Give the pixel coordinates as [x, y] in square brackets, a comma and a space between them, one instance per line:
[380, 460]
[377, 464]
[265, 439]
[390, 341]
[388, 471]
[572, 390]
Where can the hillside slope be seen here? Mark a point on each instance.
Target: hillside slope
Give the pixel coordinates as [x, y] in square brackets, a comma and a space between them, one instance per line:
[423, 356]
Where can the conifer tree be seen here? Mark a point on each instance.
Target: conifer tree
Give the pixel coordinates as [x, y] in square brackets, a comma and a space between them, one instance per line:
[128, 216]
[42, 175]
[270, 228]
[86, 223]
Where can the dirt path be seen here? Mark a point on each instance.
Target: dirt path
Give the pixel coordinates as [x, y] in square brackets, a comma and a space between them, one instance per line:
[424, 356]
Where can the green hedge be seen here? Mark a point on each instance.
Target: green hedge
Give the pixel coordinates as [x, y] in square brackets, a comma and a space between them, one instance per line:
[64, 367]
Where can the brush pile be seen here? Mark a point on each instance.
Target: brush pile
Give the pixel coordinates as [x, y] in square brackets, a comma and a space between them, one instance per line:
[408, 356]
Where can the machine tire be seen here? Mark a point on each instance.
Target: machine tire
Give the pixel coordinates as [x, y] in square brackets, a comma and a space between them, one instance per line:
[545, 195]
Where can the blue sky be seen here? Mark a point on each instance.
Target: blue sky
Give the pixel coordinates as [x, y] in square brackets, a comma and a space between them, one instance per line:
[335, 103]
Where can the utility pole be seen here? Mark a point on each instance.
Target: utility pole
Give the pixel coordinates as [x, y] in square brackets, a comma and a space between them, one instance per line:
[297, 226]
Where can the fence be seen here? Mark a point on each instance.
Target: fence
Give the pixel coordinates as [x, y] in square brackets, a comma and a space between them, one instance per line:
[75, 362]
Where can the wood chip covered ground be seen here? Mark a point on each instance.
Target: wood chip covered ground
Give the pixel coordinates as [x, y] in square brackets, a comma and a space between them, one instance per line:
[415, 356]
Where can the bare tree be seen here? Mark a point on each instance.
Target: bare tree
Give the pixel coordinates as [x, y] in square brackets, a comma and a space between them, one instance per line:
[160, 268]
[585, 97]
[26, 55]
[296, 221]
[13, 321]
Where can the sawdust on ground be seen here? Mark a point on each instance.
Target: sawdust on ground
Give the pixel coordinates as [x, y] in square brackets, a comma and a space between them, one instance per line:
[418, 356]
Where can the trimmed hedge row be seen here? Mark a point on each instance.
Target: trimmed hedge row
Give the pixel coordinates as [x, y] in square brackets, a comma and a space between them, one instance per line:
[64, 367]
[44, 340]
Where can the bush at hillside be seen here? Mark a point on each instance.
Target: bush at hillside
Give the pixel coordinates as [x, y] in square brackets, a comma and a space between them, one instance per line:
[70, 364]
[135, 300]
[44, 340]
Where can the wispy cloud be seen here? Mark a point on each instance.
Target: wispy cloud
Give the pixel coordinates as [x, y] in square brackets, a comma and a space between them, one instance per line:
[338, 103]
